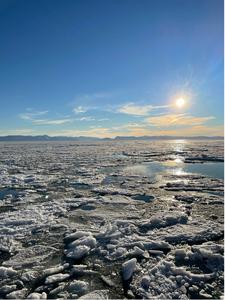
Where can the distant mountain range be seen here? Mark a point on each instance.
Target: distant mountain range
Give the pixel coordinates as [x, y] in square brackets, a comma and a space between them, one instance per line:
[46, 138]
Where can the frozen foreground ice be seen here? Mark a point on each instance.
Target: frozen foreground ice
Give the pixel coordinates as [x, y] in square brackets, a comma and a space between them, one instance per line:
[87, 221]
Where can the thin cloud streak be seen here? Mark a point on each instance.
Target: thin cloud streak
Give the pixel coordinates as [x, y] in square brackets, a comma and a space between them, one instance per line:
[88, 119]
[138, 110]
[79, 109]
[32, 115]
[32, 118]
[51, 122]
[177, 120]
[23, 131]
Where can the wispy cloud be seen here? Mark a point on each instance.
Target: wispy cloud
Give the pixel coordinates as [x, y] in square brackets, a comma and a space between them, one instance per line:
[79, 109]
[33, 118]
[100, 132]
[103, 119]
[88, 119]
[196, 130]
[84, 102]
[87, 98]
[51, 122]
[32, 115]
[138, 110]
[169, 120]
[22, 131]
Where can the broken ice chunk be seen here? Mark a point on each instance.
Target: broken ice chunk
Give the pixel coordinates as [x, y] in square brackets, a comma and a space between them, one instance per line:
[96, 295]
[37, 296]
[78, 252]
[128, 268]
[7, 272]
[56, 278]
[78, 287]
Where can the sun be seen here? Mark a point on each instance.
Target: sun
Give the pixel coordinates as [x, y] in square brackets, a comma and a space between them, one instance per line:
[180, 102]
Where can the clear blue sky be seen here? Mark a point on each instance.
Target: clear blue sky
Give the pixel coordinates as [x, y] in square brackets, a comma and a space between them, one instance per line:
[111, 67]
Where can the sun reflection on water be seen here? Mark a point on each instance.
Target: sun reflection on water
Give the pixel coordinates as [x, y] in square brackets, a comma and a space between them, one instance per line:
[178, 160]
[178, 172]
[173, 163]
[178, 145]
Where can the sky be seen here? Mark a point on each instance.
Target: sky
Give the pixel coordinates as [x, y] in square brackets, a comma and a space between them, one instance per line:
[111, 68]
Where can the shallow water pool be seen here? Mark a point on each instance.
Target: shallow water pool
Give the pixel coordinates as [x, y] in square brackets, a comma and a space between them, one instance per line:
[177, 167]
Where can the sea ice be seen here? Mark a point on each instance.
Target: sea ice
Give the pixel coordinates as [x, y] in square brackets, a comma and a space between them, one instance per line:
[128, 268]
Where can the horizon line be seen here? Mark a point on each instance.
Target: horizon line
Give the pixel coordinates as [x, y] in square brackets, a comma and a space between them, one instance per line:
[112, 138]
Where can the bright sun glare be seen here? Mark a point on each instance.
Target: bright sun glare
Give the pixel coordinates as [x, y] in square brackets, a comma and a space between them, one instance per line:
[180, 102]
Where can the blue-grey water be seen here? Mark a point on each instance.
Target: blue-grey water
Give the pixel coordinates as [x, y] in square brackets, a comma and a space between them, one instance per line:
[6, 192]
[210, 169]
